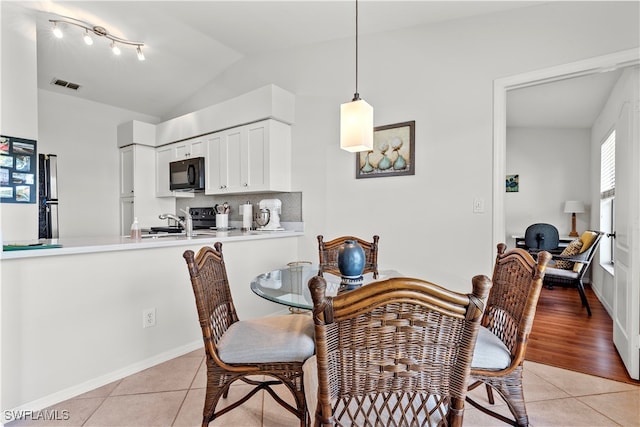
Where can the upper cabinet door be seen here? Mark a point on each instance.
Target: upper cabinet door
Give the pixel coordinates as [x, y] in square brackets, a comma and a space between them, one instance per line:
[190, 148]
[127, 163]
[250, 158]
[235, 160]
[255, 147]
[164, 156]
[215, 169]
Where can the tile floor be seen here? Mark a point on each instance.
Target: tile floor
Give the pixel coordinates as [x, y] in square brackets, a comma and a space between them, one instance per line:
[172, 394]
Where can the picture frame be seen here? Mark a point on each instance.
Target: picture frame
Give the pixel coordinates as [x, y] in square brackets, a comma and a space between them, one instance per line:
[18, 170]
[393, 152]
[512, 183]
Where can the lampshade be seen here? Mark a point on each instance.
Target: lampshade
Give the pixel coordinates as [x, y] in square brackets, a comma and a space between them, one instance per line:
[356, 117]
[573, 206]
[356, 126]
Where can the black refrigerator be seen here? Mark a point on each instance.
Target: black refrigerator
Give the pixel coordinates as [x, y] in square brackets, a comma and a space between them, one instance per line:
[48, 196]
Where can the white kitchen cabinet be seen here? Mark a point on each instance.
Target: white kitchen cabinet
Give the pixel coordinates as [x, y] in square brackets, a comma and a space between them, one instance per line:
[190, 148]
[127, 172]
[164, 156]
[127, 214]
[250, 158]
[137, 188]
[172, 152]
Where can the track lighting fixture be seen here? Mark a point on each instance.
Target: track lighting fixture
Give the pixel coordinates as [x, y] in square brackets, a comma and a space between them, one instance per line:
[98, 31]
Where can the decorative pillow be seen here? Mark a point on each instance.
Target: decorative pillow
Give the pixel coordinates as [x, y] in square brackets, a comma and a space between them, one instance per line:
[572, 248]
[587, 239]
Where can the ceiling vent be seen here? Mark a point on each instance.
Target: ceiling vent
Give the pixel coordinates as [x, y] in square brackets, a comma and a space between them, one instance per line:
[64, 83]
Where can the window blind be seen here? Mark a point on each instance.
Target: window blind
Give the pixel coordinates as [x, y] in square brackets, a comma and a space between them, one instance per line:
[608, 167]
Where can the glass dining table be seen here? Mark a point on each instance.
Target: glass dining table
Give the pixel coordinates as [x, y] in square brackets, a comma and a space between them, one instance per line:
[288, 285]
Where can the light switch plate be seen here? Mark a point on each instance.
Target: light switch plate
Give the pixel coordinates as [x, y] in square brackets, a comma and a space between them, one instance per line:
[478, 205]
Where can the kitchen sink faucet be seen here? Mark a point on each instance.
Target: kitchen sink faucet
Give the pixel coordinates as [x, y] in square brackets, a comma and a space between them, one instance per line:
[187, 223]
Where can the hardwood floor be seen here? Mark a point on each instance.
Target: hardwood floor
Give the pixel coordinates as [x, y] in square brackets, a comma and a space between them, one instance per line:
[563, 335]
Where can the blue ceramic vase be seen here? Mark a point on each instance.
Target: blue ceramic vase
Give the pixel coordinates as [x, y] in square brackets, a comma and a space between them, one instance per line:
[351, 260]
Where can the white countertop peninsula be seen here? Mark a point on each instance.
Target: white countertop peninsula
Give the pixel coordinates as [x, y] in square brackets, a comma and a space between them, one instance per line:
[72, 246]
[72, 317]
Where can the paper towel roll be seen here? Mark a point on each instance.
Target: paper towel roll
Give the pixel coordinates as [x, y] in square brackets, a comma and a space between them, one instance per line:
[246, 211]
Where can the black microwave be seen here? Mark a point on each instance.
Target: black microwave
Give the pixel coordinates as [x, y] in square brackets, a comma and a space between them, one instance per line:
[187, 174]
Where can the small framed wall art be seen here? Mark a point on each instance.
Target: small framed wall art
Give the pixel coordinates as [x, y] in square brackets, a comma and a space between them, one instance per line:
[513, 183]
[393, 152]
[17, 170]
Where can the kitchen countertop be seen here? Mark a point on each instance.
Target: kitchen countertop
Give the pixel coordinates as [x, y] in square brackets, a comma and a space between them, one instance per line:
[71, 246]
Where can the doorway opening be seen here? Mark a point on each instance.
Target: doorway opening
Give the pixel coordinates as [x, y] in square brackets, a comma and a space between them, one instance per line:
[502, 86]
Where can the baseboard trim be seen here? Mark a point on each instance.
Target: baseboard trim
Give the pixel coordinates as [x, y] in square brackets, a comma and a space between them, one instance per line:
[74, 391]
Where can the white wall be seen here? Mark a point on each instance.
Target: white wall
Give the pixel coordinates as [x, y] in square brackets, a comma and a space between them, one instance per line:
[18, 105]
[84, 136]
[554, 165]
[442, 77]
[18, 117]
[84, 330]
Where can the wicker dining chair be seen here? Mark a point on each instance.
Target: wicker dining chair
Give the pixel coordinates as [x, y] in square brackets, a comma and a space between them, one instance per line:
[260, 352]
[506, 324]
[395, 352]
[328, 253]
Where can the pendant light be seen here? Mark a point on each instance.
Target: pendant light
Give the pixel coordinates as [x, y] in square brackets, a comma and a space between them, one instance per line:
[356, 117]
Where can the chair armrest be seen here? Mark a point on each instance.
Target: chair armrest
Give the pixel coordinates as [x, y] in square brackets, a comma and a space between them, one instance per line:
[535, 251]
[572, 258]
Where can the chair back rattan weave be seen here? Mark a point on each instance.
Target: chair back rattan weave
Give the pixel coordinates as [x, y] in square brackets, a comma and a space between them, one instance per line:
[217, 313]
[328, 254]
[394, 352]
[511, 308]
[214, 302]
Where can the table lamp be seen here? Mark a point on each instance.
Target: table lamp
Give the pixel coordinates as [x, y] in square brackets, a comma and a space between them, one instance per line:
[573, 207]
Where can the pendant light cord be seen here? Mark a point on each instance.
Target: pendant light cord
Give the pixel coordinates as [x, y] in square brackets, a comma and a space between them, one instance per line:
[356, 96]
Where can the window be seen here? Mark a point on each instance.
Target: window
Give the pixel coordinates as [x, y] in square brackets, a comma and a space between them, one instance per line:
[607, 197]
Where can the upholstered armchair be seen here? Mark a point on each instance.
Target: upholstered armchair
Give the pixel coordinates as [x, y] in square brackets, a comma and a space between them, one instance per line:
[570, 267]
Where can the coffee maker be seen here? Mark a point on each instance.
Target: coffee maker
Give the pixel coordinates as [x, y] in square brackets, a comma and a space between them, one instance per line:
[268, 216]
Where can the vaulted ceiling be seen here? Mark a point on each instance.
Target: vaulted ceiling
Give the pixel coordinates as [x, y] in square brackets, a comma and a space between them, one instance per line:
[188, 43]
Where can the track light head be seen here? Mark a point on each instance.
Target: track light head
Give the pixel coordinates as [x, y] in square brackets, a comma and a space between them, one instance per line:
[140, 54]
[87, 38]
[115, 49]
[57, 31]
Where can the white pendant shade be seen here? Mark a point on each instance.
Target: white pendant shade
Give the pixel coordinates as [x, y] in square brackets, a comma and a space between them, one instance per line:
[356, 126]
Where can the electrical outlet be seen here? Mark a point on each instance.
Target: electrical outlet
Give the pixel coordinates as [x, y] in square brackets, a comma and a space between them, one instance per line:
[149, 317]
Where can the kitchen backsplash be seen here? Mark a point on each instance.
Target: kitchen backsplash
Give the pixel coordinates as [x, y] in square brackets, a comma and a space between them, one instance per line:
[291, 204]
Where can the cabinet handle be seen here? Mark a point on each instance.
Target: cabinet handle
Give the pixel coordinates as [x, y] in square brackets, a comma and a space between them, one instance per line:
[245, 185]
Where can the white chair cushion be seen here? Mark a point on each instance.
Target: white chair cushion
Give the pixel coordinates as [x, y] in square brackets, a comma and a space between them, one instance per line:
[285, 338]
[559, 272]
[490, 353]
